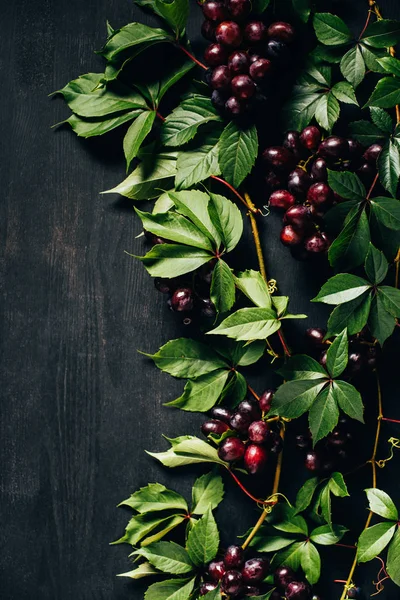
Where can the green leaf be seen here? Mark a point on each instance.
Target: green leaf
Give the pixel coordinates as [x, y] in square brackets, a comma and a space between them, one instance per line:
[301, 366]
[302, 9]
[342, 288]
[389, 167]
[387, 212]
[352, 66]
[280, 304]
[175, 13]
[290, 557]
[327, 536]
[381, 323]
[310, 561]
[381, 504]
[349, 399]
[329, 54]
[390, 65]
[337, 485]
[271, 543]
[168, 557]
[133, 34]
[187, 358]
[371, 58]
[199, 163]
[140, 526]
[87, 128]
[136, 134]
[222, 287]
[348, 185]
[227, 219]
[184, 121]
[353, 315]
[154, 174]
[172, 260]
[203, 540]
[330, 30]
[390, 298]
[248, 324]
[324, 414]
[373, 540]
[344, 92]
[188, 450]
[366, 132]
[382, 34]
[214, 594]
[338, 355]
[386, 93]
[300, 109]
[170, 589]
[238, 149]
[327, 111]
[172, 76]
[293, 524]
[248, 354]
[382, 119]
[294, 398]
[351, 246]
[306, 493]
[325, 503]
[393, 558]
[207, 492]
[203, 393]
[155, 497]
[253, 285]
[194, 205]
[176, 228]
[376, 266]
[143, 570]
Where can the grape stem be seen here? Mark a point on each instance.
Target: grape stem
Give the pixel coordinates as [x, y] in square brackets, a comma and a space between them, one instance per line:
[193, 58]
[246, 491]
[372, 460]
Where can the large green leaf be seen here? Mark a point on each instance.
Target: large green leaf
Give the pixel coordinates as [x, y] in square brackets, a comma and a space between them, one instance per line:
[349, 399]
[390, 298]
[389, 167]
[331, 30]
[198, 163]
[222, 287]
[310, 561]
[349, 249]
[352, 66]
[172, 260]
[393, 558]
[183, 123]
[136, 135]
[238, 149]
[327, 111]
[188, 450]
[92, 127]
[373, 540]
[382, 34]
[253, 285]
[176, 228]
[386, 93]
[207, 492]
[366, 133]
[376, 266]
[203, 393]
[382, 119]
[143, 570]
[290, 557]
[344, 92]
[327, 536]
[300, 108]
[170, 589]
[342, 288]
[194, 205]
[338, 355]
[248, 324]
[294, 398]
[305, 494]
[353, 315]
[140, 526]
[381, 504]
[348, 185]
[324, 414]
[387, 212]
[227, 219]
[153, 175]
[381, 323]
[131, 35]
[167, 557]
[175, 12]
[187, 358]
[203, 540]
[337, 485]
[301, 366]
[155, 497]
[390, 65]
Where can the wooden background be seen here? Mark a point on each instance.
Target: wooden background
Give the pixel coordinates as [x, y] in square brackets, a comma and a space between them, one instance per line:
[79, 405]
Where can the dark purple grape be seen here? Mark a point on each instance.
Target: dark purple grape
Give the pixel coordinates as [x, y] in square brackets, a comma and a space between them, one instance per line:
[277, 51]
[266, 400]
[216, 569]
[260, 68]
[291, 141]
[313, 461]
[214, 10]
[206, 587]
[258, 432]
[333, 148]
[214, 426]
[283, 576]
[234, 557]
[255, 459]
[310, 137]
[250, 408]
[281, 199]
[240, 422]
[284, 32]
[255, 32]
[372, 153]
[221, 78]
[229, 33]
[320, 194]
[299, 217]
[254, 570]
[215, 55]
[316, 244]
[208, 30]
[232, 583]
[238, 9]
[182, 300]
[231, 449]
[319, 170]
[234, 107]
[290, 236]
[297, 590]
[239, 63]
[316, 335]
[221, 413]
[298, 182]
[355, 149]
[279, 157]
[243, 87]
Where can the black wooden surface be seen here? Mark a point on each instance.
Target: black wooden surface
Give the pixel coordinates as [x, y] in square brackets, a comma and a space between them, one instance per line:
[79, 405]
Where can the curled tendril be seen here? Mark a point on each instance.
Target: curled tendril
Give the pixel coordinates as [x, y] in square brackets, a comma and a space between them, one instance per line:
[379, 583]
[395, 443]
[272, 286]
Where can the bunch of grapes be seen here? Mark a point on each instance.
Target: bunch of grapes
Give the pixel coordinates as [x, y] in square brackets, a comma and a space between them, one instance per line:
[297, 183]
[188, 296]
[240, 578]
[251, 438]
[243, 53]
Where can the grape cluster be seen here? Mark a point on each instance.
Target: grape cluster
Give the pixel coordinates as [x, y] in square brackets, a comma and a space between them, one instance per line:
[297, 178]
[243, 53]
[251, 438]
[188, 297]
[240, 578]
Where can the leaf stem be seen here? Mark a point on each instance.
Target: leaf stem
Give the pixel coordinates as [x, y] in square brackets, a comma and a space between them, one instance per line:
[372, 460]
[252, 392]
[397, 269]
[193, 58]
[371, 189]
[232, 189]
[249, 494]
[284, 344]
[390, 420]
[273, 500]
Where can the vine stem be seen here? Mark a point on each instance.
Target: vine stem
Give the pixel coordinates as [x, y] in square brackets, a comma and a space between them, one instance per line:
[397, 269]
[273, 500]
[249, 494]
[371, 189]
[254, 210]
[193, 58]
[390, 420]
[372, 460]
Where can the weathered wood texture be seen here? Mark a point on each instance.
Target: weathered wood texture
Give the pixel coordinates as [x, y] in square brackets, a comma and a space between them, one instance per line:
[79, 405]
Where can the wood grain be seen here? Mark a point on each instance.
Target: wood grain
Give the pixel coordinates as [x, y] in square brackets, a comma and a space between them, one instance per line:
[79, 405]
